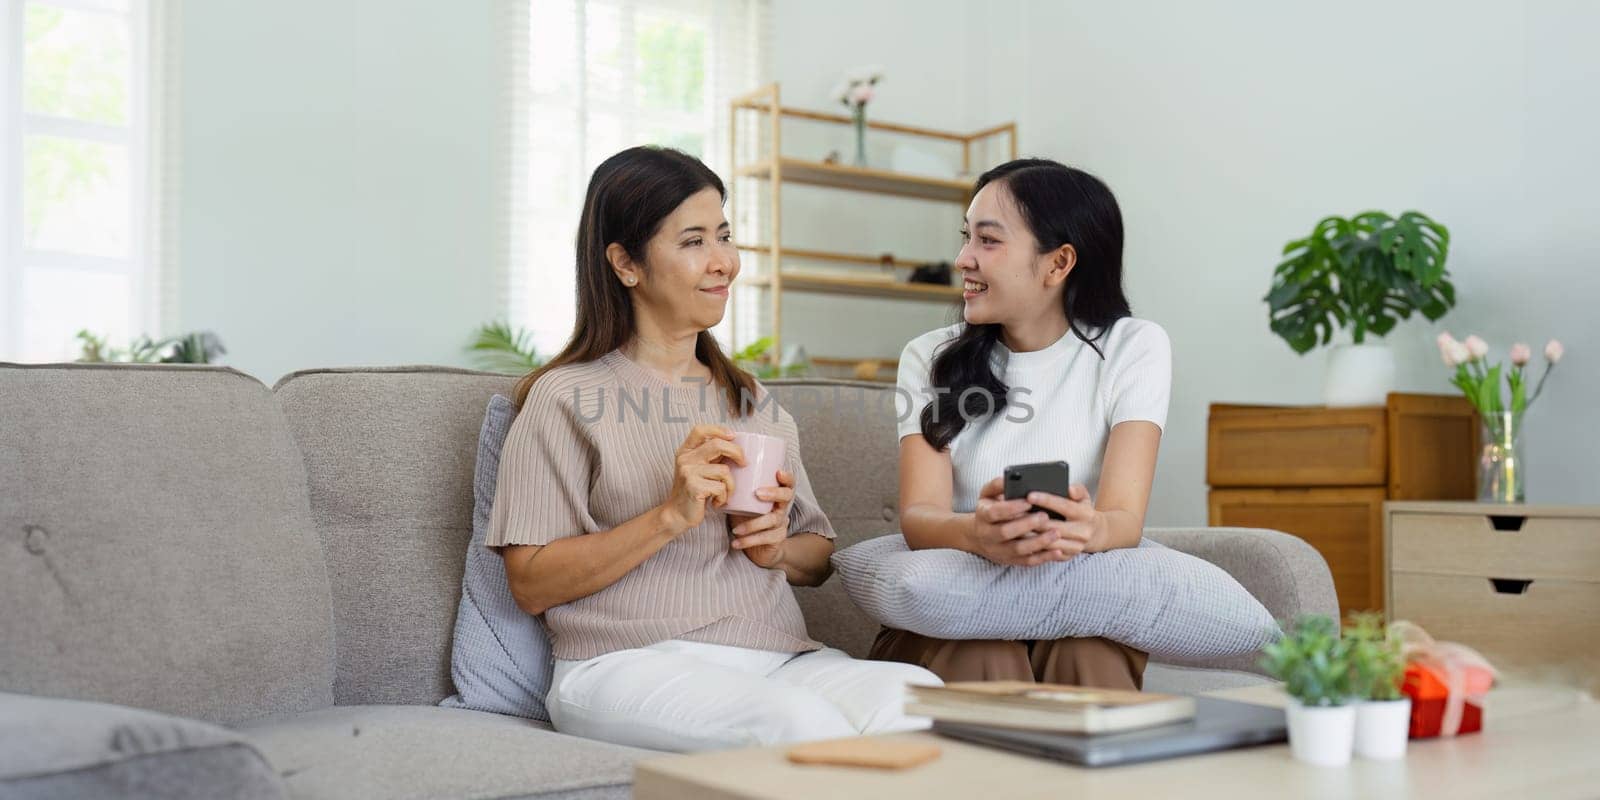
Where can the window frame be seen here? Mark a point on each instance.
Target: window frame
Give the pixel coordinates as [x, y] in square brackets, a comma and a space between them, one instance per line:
[17, 124]
[526, 267]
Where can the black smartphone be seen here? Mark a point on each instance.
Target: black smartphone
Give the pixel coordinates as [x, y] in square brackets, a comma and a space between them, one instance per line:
[1050, 477]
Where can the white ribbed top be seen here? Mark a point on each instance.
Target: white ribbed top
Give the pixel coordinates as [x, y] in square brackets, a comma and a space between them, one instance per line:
[1075, 397]
[580, 459]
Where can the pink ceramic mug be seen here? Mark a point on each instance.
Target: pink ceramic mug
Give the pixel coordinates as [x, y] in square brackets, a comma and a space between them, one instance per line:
[763, 457]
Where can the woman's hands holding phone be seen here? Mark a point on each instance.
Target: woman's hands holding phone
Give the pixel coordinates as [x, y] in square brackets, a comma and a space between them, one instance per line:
[700, 476]
[1009, 532]
[1084, 525]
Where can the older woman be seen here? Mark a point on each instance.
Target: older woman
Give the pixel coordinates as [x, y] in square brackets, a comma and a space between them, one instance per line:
[669, 632]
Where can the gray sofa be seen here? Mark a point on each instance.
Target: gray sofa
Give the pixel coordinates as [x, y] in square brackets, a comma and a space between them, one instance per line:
[212, 589]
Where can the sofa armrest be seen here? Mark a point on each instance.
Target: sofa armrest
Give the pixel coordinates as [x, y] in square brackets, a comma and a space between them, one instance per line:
[1287, 575]
[51, 747]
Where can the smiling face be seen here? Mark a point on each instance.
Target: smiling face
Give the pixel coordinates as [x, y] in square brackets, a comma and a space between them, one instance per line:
[1006, 279]
[688, 265]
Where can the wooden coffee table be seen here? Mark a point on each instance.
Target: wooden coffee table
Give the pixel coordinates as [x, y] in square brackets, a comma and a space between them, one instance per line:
[1535, 743]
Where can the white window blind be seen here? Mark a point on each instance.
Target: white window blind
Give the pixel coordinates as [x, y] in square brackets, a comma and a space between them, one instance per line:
[83, 92]
[590, 78]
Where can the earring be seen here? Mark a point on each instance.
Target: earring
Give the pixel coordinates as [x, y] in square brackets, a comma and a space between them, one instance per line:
[631, 280]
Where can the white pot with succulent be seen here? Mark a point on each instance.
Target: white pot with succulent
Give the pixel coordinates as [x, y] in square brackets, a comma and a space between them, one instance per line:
[1313, 661]
[1383, 713]
[1361, 275]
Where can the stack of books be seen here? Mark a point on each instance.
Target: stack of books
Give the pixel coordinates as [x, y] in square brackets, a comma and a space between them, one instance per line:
[1047, 707]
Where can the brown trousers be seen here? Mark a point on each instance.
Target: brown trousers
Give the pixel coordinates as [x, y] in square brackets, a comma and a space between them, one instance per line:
[1100, 663]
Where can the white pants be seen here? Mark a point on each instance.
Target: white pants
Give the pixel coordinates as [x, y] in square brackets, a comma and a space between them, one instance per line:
[687, 696]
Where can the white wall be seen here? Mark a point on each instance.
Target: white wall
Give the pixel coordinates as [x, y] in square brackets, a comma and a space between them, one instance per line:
[338, 180]
[1228, 128]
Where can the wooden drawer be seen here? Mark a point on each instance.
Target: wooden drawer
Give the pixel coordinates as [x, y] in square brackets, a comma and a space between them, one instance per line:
[1549, 633]
[1344, 525]
[1496, 546]
[1253, 446]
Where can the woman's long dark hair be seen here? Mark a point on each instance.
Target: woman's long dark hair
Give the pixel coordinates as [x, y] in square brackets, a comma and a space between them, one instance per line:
[628, 198]
[1061, 205]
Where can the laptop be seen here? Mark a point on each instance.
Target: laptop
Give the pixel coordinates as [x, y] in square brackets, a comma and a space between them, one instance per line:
[1217, 725]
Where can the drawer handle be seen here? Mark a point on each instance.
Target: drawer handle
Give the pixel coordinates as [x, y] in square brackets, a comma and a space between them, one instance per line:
[1507, 522]
[1510, 585]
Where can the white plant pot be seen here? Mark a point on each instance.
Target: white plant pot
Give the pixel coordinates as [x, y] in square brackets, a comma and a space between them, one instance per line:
[1359, 375]
[1382, 728]
[1321, 735]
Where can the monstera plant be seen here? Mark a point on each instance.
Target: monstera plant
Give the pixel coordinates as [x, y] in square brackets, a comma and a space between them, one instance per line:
[1363, 274]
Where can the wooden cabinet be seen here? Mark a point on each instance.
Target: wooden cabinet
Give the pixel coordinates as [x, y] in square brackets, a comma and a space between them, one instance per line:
[1323, 474]
[1343, 524]
[1521, 584]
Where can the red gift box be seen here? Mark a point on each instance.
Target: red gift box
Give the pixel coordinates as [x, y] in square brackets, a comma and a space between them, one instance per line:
[1429, 696]
[1446, 683]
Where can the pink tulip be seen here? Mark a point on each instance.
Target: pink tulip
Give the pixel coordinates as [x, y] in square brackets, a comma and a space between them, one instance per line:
[1477, 347]
[861, 95]
[1457, 354]
[1521, 354]
[1553, 351]
[1445, 341]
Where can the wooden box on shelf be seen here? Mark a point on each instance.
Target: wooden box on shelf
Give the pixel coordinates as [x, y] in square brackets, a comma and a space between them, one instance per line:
[1518, 583]
[1323, 474]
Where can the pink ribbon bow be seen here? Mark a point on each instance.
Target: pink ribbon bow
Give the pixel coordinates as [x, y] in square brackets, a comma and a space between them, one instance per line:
[1467, 674]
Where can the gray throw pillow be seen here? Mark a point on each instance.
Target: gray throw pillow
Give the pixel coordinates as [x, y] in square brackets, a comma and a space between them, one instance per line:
[501, 660]
[1166, 603]
[58, 748]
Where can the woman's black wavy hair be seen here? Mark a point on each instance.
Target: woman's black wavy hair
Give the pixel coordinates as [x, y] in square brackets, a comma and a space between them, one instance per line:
[1061, 205]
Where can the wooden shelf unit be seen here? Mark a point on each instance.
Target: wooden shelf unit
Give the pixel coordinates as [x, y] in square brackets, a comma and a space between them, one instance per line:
[884, 260]
[880, 370]
[860, 179]
[797, 281]
[777, 170]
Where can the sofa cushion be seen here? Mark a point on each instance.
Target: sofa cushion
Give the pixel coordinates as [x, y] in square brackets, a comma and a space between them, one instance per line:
[501, 661]
[1166, 603]
[389, 457]
[57, 748]
[156, 545]
[430, 752]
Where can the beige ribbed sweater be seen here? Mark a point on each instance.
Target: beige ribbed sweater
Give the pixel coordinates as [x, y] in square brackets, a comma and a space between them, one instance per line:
[593, 447]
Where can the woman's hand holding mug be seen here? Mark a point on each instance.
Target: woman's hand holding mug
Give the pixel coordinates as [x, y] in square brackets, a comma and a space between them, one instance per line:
[762, 537]
[700, 476]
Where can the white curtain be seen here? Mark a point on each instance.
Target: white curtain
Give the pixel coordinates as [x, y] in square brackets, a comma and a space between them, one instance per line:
[590, 78]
